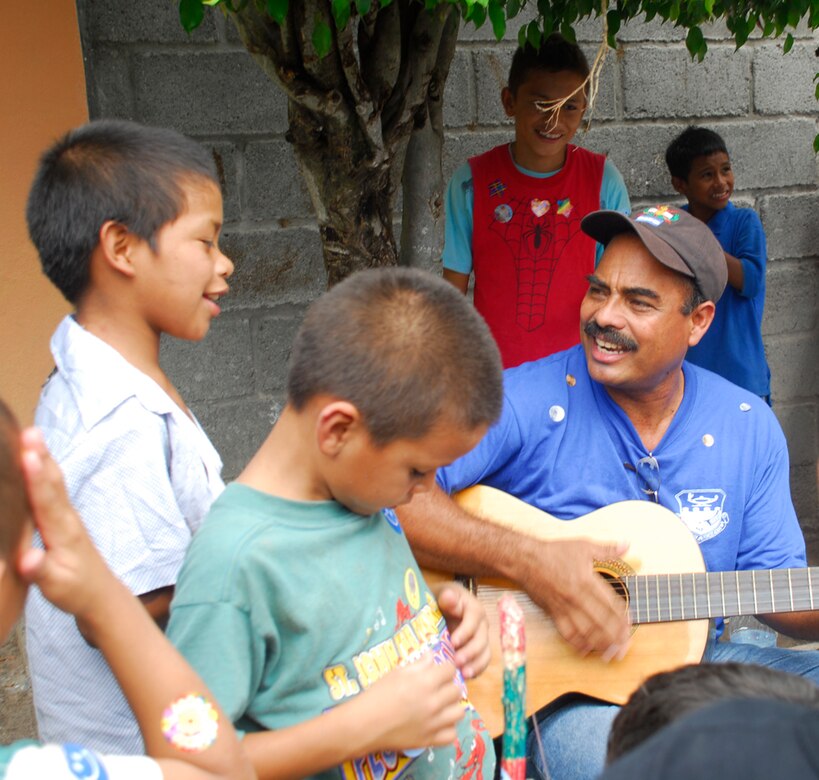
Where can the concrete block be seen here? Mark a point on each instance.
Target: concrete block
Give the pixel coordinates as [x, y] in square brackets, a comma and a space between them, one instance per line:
[274, 186]
[664, 82]
[237, 427]
[273, 340]
[248, 102]
[227, 158]
[492, 71]
[274, 266]
[791, 220]
[794, 362]
[768, 153]
[148, 21]
[806, 504]
[219, 366]
[799, 423]
[459, 91]
[792, 289]
[638, 151]
[773, 69]
[638, 30]
[110, 92]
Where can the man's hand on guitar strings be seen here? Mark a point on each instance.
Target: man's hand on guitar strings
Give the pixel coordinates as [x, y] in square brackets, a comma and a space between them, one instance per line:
[560, 577]
[468, 627]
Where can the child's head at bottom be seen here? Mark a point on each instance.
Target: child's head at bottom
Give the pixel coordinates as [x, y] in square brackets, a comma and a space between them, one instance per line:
[401, 375]
[15, 521]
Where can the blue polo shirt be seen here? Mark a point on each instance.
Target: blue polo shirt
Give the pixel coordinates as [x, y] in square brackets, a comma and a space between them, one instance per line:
[562, 445]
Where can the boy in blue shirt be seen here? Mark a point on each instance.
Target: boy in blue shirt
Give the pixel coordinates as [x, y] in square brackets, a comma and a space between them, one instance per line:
[300, 602]
[126, 219]
[70, 573]
[513, 213]
[701, 170]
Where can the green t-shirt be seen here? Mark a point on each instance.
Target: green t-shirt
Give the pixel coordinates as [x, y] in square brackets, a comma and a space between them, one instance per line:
[288, 608]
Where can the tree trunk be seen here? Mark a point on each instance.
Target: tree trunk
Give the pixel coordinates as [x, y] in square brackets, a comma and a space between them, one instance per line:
[352, 114]
[422, 224]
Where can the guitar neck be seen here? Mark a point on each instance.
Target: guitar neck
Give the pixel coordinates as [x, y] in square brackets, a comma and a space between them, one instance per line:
[660, 598]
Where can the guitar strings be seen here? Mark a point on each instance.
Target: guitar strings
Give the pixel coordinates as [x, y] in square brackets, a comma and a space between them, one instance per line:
[541, 751]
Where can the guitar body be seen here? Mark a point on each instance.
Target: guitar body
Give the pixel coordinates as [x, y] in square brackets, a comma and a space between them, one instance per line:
[659, 543]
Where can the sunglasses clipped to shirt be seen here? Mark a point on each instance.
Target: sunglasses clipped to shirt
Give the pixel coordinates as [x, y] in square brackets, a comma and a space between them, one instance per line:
[647, 470]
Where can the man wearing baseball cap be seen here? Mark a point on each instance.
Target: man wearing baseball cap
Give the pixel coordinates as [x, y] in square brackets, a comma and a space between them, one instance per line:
[623, 416]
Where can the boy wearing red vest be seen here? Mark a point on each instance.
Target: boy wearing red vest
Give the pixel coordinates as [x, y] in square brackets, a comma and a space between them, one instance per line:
[513, 213]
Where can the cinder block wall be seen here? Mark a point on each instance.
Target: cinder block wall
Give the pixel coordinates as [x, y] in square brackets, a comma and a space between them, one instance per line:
[141, 65]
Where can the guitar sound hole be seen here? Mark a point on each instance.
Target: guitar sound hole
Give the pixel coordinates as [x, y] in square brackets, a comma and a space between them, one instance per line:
[617, 585]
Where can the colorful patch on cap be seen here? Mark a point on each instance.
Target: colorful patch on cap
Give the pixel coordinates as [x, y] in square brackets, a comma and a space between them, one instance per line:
[496, 187]
[657, 215]
[540, 207]
[564, 207]
[190, 723]
[503, 213]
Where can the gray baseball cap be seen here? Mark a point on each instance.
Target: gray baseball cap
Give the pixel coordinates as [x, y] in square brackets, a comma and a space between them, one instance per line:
[678, 240]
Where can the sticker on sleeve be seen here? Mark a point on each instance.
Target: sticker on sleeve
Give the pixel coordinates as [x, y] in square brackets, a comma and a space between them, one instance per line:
[191, 723]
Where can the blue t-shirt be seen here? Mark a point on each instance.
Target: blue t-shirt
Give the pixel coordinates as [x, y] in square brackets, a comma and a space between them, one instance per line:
[733, 347]
[564, 446]
[459, 201]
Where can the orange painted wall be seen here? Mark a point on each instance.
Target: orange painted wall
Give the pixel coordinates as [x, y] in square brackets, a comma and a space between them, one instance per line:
[43, 95]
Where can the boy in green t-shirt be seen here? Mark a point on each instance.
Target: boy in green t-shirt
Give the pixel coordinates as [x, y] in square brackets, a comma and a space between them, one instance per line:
[300, 602]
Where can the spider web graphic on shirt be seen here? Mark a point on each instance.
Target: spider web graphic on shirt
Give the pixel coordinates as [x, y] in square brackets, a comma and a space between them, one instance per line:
[536, 244]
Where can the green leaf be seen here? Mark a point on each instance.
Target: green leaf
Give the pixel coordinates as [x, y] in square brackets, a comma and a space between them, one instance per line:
[694, 42]
[613, 21]
[816, 144]
[191, 14]
[533, 35]
[709, 7]
[211, 2]
[363, 6]
[522, 37]
[547, 21]
[322, 38]
[567, 31]
[341, 13]
[277, 10]
[512, 8]
[788, 44]
[498, 19]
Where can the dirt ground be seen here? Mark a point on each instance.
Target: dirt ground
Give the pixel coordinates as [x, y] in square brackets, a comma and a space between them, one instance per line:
[16, 713]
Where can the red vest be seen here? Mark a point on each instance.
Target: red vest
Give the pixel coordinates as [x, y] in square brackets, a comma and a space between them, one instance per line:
[529, 255]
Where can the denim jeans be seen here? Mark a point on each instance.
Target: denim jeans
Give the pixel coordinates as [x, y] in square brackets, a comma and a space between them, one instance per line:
[574, 736]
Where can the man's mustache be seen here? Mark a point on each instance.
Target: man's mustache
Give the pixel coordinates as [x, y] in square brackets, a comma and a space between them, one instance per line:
[593, 330]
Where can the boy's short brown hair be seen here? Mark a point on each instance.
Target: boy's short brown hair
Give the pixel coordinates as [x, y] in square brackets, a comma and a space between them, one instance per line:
[14, 507]
[109, 169]
[555, 54]
[405, 348]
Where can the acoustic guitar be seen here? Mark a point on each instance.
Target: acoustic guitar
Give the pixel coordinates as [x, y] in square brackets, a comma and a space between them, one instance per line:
[663, 583]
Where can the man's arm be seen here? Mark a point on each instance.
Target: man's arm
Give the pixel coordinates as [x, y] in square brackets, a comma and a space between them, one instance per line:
[558, 575]
[458, 280]
[798, 625]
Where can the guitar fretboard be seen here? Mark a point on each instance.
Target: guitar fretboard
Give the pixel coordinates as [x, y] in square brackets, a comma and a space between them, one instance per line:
[658, 598]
